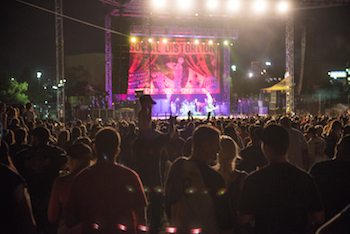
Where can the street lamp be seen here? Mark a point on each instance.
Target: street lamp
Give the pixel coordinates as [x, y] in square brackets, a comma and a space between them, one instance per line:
[39, 74]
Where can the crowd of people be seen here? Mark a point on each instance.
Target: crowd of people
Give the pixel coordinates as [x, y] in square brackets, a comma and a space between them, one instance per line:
[229, 175]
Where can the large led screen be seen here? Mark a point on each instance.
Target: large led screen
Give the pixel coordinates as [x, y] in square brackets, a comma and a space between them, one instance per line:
[173, 68]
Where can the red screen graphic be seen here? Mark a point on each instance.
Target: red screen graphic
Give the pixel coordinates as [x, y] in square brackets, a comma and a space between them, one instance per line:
[176, 68]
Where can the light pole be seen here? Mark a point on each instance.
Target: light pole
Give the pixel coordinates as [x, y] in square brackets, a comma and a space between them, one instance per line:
[39, 74]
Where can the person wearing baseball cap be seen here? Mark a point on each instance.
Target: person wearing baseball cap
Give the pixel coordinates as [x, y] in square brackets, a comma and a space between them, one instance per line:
[280, 197]
[147, 99]
[148, 160]
[79, 157]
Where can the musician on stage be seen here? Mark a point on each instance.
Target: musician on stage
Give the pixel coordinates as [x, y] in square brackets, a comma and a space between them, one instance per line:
[210, 105]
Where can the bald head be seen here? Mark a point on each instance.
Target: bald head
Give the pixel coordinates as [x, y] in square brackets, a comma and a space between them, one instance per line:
[285, 122]
[205, 143]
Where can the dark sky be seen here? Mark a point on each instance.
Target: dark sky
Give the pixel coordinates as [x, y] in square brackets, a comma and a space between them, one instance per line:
[28, 34]
[27, 38]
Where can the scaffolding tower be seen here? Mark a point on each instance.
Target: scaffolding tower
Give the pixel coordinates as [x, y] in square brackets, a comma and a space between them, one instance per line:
[60, 79]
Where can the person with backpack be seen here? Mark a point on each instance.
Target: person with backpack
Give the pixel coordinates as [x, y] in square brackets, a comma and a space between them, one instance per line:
[195, 193]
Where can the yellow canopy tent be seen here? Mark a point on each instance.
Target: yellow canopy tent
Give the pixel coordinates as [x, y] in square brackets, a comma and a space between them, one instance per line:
[280, 86]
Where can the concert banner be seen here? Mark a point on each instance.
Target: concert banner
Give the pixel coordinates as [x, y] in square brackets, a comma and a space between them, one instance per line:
[173, 68]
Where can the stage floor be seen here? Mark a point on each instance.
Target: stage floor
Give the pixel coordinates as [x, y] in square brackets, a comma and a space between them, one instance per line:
[202, 117]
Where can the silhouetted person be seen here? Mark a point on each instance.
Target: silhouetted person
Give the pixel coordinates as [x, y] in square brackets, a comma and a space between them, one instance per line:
[280, 197]
[29, 115]
[233, 178]
[21, 143]
[15, 208]
[76, 132]
[195, 193]
[15, 205]
[316, 146]
[332, 137]
[107, 197]
[145, 116]
[40, 166]
[79, 157]
[150, 162]
[333, 179]
[174, 146]
[297, 150]
[252, 157]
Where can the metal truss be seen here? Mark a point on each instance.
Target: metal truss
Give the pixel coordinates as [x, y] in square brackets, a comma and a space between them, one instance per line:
[59, 60]
[184, 32]
[226, 78]
[309, 4]
[290, 64]
[108, 60]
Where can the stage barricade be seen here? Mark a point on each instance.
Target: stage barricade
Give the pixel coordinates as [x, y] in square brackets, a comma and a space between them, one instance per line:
[105, 114]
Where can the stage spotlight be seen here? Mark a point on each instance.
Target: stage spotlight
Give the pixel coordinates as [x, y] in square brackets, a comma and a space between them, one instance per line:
[165, 40]
[212, 4]
[150, 40]
[158, 4]
[196, 41]
[225, 42]
[234, 5]
[210, 42]
[133, 39]
[283, 7]
[184, 4]
[259, 6]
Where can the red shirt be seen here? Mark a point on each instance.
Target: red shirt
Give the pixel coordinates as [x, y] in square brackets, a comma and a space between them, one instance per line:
[105, 197]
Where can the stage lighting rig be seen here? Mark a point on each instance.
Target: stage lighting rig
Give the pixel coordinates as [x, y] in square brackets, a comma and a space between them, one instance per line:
[234, 5]
[212, 4]
[282, 7]
[260, 6]
[184, 5]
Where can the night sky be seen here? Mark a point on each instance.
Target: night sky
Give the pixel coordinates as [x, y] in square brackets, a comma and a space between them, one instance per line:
[27, 38]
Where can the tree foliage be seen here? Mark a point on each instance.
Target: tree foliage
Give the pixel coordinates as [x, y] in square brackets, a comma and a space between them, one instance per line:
[12, 91]
[35, 91]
